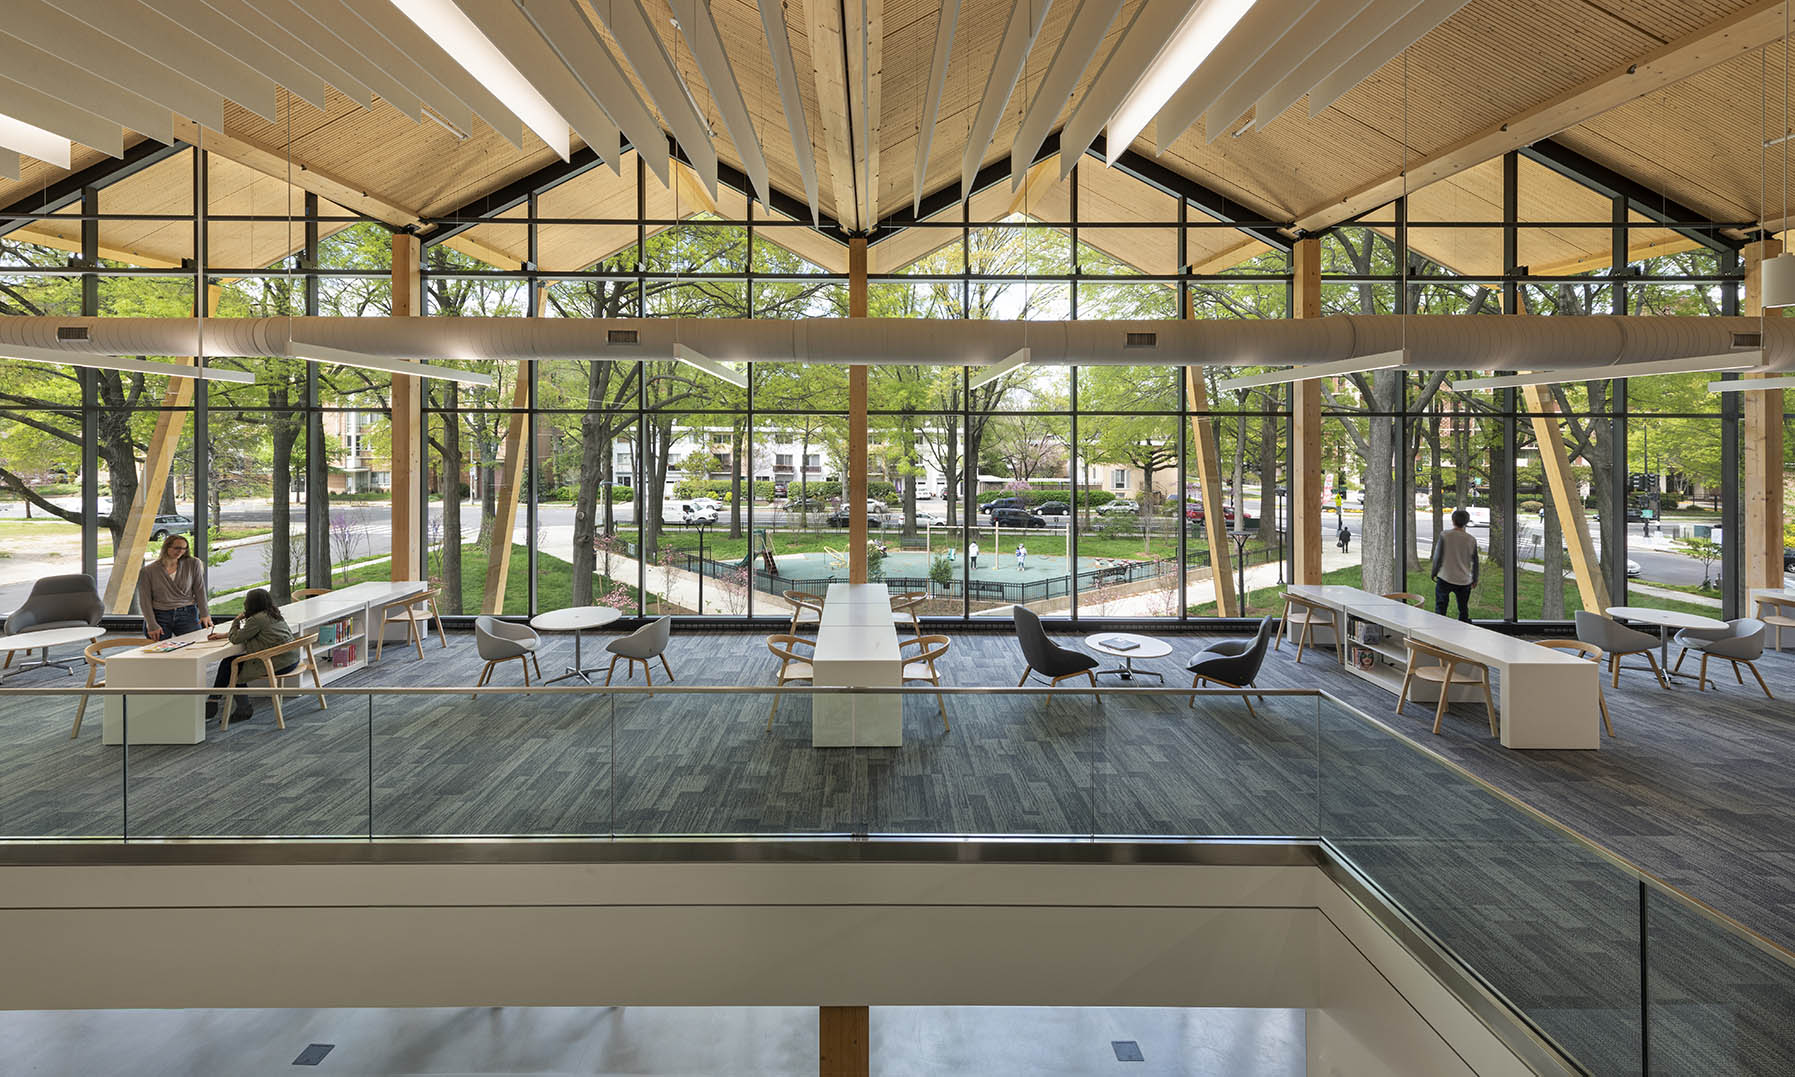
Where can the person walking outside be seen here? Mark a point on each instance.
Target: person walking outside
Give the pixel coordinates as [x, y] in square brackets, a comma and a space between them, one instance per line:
[1021, 557]
[1454, 568]
[972, 555]
[1343, 538]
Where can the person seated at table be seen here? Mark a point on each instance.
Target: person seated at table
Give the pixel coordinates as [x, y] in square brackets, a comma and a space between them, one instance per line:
[171, 591]
[259, 627]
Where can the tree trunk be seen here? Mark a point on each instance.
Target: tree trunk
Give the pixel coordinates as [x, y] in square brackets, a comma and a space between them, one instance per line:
[1268, 473]
[283, 431]
[1551, 607]
[1377, 538]
[451, 470]
[1436, 493]
[736, 437]
[907, 445]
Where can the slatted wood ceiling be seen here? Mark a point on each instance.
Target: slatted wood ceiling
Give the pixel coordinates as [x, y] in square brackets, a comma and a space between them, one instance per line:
[1696, 141]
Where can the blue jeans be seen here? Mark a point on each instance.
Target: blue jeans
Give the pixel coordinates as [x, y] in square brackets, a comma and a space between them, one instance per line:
[178, 621]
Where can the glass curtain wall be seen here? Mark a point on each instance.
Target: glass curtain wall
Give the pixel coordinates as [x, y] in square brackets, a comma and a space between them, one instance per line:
[658, 487]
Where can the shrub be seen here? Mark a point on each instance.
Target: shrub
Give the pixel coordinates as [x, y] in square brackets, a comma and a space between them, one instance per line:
[941, 571]
[1089, 499]
[1532, 506]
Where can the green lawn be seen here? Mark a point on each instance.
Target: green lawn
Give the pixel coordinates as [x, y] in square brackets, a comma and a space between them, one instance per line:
[718, 546]
[1486, 598]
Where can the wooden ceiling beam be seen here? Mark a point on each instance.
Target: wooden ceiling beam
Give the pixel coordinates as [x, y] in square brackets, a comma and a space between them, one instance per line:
[274, 163]
[828, 64]
[1745, 30]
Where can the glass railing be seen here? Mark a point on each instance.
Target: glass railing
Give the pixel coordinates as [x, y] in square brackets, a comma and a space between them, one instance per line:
[1617, 970]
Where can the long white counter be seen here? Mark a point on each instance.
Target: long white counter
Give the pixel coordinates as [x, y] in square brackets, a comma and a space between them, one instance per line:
[182, 719]
[1545, 698]
[857, 647]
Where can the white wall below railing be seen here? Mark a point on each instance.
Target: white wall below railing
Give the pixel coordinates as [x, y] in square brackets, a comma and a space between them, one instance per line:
[732, 934]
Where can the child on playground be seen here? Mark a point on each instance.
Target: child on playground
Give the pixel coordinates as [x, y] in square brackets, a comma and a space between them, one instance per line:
[972, 555]
[1021, 557]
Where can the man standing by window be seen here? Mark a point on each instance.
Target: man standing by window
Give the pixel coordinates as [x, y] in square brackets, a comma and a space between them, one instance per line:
[1455, 566]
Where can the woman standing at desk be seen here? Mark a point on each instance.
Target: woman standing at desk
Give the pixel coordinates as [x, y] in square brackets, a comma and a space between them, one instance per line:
[171, 592]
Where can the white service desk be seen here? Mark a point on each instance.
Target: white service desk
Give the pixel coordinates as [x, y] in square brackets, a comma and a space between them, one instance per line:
[181, 719]
[1545, 698]
[857, 647]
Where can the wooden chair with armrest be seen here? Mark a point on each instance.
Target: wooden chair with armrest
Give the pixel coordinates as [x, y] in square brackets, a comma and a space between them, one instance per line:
[792, 666]
[266, 659]
[1408, 598]
[1300, 613]
[1451, 669]
[1776, 619]
[419, 609]
[96, 666]
[921, 667]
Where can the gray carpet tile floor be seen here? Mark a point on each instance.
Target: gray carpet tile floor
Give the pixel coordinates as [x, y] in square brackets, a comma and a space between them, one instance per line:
[1696, 789]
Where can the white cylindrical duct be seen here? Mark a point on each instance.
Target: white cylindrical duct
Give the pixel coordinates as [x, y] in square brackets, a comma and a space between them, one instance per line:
[1439, 342]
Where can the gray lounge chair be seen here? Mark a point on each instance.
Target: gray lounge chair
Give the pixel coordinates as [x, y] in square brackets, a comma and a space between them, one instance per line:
[1233, 663]
[1045, 657]
[66, 601]
[1616, 639]
[502, 641]
[1740, 641]
[644, 644]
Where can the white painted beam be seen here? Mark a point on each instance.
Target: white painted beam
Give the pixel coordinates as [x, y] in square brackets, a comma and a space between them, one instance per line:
[410, 39]
[230, 36]
[284, 42]
[80, 45]
[34, 67]
[1026, 17]
[163, 39]
[1139, 44]
[1083, 37]
[1393, 42]
[700, 32]
[483, 59]
[566, 29]
[299, 21]
[1367, 27]
[779, 50]
[1194, 42]
[33, 141]
[31, 105]
[931, 104]
[1699, 364]
[362, 37]
[641, 47]
[1265, 44]
[318, 353]
[10, 164]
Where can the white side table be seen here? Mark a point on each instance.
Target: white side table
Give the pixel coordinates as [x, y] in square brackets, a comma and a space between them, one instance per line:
[575, 619]
[1665, 620]
[1143, 647]
[43, 641]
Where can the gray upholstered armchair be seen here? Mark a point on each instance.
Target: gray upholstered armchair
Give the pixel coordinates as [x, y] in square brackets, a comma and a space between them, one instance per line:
[1232, 663]
[502, 641]
[1045, 657]
[70, 601]
[1616, 639]
[643, 645]
[1740, 641]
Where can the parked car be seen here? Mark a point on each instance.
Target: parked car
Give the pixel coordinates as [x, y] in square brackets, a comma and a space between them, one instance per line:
[779, 489]
[171, 525]
[839, 518]
[1194, 513]
[1010, 517]
[925, 519]
[990, 507]
[1788, 559]
[710, 503]
[1633, 568]
[1120, 505]
[1053, 508]
[692, 513]
[805, 504]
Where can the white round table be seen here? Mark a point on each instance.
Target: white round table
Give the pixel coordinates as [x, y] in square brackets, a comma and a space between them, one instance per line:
[44, 640]
[1665, 620]
[575, 619]
[1142, 647]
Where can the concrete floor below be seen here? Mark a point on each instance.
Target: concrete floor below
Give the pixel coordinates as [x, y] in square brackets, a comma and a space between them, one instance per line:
[989, 1041]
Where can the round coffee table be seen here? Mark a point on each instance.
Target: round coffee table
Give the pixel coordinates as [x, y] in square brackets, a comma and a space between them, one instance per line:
[43, 641]
[1665, 620]
[575, 619]
[1128, 647]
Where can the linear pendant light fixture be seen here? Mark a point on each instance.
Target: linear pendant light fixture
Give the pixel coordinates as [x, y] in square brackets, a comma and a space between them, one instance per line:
[119, 362]
[1201, 30]
[319, 353]
[461, 39]
[1776, 276]
[720, 371]
[1014, 361]
[1751, 386]
[1700, 364]
[1363, 364]
[21, 137]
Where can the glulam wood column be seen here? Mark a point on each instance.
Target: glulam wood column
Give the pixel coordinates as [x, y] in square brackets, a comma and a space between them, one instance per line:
[1305, 406]
[407, 423]
[1763, 471]
[855, 489]
[511, 470]
[844, 1041]
[1209, 481]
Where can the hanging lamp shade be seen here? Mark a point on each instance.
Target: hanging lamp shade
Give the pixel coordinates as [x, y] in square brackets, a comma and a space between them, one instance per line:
[1778, 281]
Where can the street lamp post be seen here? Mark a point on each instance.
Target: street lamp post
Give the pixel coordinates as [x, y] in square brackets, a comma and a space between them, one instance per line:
[700, 610]
[1240, 565]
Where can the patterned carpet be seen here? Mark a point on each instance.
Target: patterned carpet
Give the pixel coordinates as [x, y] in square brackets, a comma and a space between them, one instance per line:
[1696, 789]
